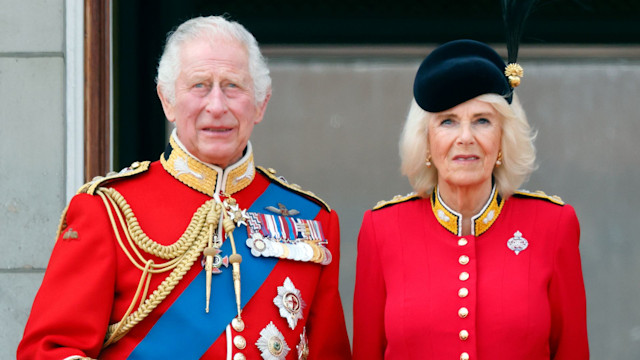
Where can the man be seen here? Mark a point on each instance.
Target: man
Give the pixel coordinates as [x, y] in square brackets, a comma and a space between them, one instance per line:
[200, 254]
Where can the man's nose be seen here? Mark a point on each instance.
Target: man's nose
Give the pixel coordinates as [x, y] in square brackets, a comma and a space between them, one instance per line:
[217, 101]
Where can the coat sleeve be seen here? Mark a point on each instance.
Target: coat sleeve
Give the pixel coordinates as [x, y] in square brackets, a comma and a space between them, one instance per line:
[71, 311]
[369, 339]
[326, 329]
[566, 293]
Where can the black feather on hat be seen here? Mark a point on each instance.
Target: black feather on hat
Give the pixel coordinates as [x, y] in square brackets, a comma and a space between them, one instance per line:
[460, 70]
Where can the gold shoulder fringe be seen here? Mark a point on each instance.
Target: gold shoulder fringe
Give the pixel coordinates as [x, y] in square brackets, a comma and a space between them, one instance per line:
[539, 195]
[396, 199]
[134, 169]
[271, 174]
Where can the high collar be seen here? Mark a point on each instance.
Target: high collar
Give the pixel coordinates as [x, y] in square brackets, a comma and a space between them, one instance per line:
[207, 178]
[452, 220]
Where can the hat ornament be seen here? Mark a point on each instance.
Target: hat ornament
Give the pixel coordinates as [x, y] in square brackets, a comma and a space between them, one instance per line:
[514, 73]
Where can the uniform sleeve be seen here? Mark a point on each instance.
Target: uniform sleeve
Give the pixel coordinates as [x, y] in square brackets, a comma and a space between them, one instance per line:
[326, 329]
[369, 340]
[70, 313]
[566, 293]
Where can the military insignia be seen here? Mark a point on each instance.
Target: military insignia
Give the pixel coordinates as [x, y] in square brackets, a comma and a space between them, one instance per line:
[248, 174]
[289, 301]
[239, 216]
[303, 346]
[286, 237]
[443, 216]
[70, 235]
[134, 169]
[272, 344]
[218, 261]
[271, 174]
[282, 210]
[395, 200]
[517, 243]
[538, 194]
[487, 219]
[181, 165]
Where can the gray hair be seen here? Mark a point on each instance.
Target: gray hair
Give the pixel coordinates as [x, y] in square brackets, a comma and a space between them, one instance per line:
[169, 66]
[518, 151]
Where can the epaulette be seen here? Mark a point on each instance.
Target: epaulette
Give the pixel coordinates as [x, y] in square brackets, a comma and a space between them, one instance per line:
[539, 195]
[271, 174]
[136, 168]
[396, 199]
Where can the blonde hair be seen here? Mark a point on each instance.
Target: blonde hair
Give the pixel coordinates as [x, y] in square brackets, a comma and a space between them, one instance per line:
[518, 151]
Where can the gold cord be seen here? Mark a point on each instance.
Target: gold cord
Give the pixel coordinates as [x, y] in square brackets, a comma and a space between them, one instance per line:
[235, 259]
[181, 255]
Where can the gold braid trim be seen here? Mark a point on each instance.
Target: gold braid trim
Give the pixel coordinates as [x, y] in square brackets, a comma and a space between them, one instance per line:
[182, 256]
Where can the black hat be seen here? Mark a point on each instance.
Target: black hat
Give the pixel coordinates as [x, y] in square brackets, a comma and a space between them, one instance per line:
[458, 71]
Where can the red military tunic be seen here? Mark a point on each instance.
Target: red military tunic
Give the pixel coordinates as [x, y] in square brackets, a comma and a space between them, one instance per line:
[290, 300]
[513, 289]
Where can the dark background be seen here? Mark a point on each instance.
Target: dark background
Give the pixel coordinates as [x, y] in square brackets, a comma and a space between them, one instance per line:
[140, 28]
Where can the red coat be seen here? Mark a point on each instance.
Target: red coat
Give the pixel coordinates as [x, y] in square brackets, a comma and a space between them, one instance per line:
[90, 282]
[424, 292]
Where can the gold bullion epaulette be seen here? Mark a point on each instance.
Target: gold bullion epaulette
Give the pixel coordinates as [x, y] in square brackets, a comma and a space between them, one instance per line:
[136, 168]
[271, 174]
[396, 199]
[539, 195]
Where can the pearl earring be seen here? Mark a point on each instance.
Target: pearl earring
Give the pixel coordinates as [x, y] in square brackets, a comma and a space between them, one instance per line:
[499, 161]
[428, 161]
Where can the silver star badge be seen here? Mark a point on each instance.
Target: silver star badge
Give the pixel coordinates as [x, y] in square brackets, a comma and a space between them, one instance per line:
[289, 301]
[272, 343]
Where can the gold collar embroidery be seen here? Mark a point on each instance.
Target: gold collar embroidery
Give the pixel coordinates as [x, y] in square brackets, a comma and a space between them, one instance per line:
[206, 178]
[452, 220]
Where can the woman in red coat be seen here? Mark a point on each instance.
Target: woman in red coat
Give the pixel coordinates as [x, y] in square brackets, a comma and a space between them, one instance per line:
[467, 267]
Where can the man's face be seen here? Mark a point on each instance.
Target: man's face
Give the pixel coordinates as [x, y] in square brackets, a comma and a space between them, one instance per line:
[215, 108]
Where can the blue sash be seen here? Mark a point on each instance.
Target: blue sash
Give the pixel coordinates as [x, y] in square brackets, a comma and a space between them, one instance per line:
[185, 330]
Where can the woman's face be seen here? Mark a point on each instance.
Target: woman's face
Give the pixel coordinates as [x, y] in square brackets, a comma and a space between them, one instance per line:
[464, 142]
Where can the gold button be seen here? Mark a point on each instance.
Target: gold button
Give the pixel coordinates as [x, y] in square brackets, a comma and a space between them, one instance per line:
[464, 356]
[463, 292]
[463, 312]
[237, 324]
[464, 335]
[239, 356]
[464, 276]
[239, 342]
[462, 242]
[463, 260]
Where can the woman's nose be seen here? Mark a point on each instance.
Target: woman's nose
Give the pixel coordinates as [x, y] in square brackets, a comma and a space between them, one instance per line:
[466, 135]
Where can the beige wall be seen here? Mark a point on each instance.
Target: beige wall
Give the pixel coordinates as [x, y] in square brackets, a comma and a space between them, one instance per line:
[32, 148]
[332, 127]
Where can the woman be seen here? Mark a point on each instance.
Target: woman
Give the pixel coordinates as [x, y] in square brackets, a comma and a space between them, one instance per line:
[468, 267]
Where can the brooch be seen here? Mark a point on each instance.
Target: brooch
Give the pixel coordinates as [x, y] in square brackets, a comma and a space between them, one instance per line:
[517, 243]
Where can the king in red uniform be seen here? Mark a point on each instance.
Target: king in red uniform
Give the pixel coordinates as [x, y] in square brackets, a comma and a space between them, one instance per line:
[201, 255]
[467, 267]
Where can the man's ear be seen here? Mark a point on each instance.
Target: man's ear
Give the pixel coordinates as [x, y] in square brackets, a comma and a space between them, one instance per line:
[261, 108]
[166, 105]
